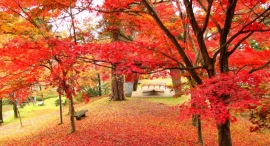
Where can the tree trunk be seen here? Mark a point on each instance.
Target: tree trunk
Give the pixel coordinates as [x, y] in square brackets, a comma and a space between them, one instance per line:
[20, 117]
[117, 88]
[117, 80]
[72, 122]
[135, 84]
[60, 105]
[199, 130]
[224, 134]
[68, 92]
[176, 80]
[1, 110]
[196, 121]
[41, 94]
[15, 109]
[99, 85]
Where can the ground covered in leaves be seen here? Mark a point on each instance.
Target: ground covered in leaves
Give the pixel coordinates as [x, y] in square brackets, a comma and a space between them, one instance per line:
[135, 121]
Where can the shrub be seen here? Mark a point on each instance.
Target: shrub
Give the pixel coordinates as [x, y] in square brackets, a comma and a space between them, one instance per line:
[6, 101]
[94, 91]
[57, 103]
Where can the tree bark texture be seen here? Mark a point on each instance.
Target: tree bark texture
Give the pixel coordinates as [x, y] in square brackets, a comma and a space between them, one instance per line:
[72, 121]
[224, 134]
[117, 88]
[196, 121]
[117, 80]
[176, 80]
[60, 106]
[135, 84]
[199, 130]
[68, 92]
[99, 85]
[15, 109]
[20, 117]
[41, 94]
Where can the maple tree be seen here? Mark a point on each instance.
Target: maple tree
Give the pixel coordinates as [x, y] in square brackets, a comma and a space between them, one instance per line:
[202, 37]
[20, 62]
[63, 57]
[14, 81]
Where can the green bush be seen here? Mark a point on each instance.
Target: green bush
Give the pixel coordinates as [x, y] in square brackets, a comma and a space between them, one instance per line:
[105, 88]
[22, 105]
[94, 91]
[6, 101]
[38, 98]
[57, 103]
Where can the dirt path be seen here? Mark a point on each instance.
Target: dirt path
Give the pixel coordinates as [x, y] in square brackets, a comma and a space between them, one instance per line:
[7, 114]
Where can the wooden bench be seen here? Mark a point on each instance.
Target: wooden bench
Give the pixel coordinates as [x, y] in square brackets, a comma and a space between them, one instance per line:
[41, 103]
[153, 91]
[150, 84]
[80, 114]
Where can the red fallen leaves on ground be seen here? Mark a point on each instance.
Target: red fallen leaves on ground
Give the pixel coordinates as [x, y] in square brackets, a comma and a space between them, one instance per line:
[131, 122]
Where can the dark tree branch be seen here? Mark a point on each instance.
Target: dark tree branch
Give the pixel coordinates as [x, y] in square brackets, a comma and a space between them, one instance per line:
[256, 30]
[208, 13]
[209, 62]
[173, 40]
[119, 11]
[166, 68]
[259, 68]
[95, 62]
[191, 16]
[164, 54]
[240, 32]
[239, 42]
[223, 59]
[46, 66]
[240, 69]
[186, 68]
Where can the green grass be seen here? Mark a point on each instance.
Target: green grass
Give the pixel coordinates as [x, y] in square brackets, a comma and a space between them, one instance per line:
[30, 111]
[171, 101]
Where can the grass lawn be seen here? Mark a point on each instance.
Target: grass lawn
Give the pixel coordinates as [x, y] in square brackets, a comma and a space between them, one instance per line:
[136, 121]
[30, 110]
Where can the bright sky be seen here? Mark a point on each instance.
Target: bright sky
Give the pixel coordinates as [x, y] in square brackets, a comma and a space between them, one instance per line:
[83, 18]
